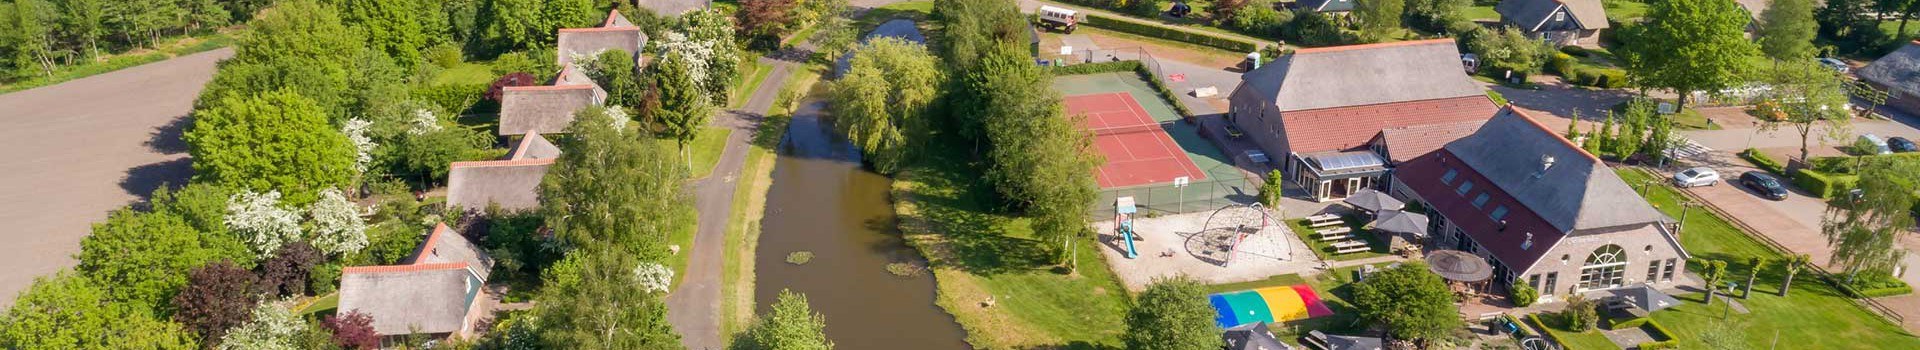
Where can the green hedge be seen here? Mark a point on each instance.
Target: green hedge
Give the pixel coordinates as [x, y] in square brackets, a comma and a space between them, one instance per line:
[1091, 68]
[1524, 330]
[1885, 292]
[453, 98]
[1823, 185]
[1763, 161]
[1535, 318]
[1883, 285]
[1667, 339]
[1126, 26]
[1606, 78]
[1629, 323]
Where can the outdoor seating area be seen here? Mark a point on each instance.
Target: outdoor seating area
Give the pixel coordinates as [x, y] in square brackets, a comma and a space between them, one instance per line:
[1342, 237]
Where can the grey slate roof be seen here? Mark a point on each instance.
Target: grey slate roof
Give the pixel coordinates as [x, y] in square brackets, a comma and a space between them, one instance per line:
[1252, 336]
[1328, 5]
[512, 184]
[544, 109]
[571, 75]
[1898, 70]
[1577, 192]
[405, 299]
[1529, 14]
[614, 33]
[1363, 75]
[445, 246]
[533, 146]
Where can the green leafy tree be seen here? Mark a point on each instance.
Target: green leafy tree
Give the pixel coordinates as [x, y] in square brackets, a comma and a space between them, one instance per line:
[764, 22]
[31, 37]
[614, 71]
[1595, 137]
[881, 102]
[1792, 266]
[273, 328]
[390, 26]
[1172, 314]
[1435, 15]
[793, 325]
[1712, 272]
[1313, 28]
[81, 21]
[1806, 97]
[592, 301]
[1272, 189]
[1379, 20]
[684, 107]
[1865, 229]
[1581, 314]
[300, 46]
[1754, 265]
[1510, 51]
[1410, 301]
[68, 311]
[142, 259]
[1689, 45]
[1660, 139]
[1787, 30]
[1039, 157]
[613, 187]
[1632, 133]
[1608, 134]
[270, 141]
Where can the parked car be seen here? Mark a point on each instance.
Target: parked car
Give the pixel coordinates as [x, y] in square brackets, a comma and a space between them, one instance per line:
[1701, 176]
[1835, 64]
[1902, 145]
[1766, 184]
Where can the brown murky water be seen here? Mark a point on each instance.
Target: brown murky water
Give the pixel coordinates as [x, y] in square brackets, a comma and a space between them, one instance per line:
[822, 201]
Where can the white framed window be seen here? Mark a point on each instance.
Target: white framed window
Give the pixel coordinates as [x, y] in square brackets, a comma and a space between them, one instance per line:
[1605, 268]
[1559, 16]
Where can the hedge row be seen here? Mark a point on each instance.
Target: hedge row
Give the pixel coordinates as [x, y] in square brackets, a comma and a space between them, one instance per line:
[1763, 161]
[1126, 26]
[1535, 318]
[1670, 342]
[1630, 323]
[1524, 330]
[1091, 68]
[1586, 75]
[1875, 287]
[1884, 292]
[1824, 185]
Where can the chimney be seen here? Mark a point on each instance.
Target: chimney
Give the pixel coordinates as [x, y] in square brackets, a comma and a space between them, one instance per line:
[1527, 243]
[1546, 163]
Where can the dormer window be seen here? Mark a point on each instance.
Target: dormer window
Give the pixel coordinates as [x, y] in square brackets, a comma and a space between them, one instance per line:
[1464, 187]
[1447, 178]
[1480, 201]
[1499, 212]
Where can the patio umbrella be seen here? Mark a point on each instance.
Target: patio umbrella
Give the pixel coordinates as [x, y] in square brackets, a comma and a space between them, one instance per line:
[1374, 201]
[1646, 298]
[1459, 266]
[1400, 222]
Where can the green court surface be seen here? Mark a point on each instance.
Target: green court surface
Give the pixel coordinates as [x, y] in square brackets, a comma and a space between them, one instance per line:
[1224, 184]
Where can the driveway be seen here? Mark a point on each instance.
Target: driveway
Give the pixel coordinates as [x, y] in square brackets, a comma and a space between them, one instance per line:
[86, 147]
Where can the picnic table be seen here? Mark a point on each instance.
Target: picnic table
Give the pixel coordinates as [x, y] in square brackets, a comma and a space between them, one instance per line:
[1352, 246]
[1335, 236]
[1334, 231]
[1322, 220]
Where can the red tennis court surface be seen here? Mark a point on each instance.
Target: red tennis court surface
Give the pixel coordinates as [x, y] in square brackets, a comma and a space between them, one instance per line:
[1138, 151]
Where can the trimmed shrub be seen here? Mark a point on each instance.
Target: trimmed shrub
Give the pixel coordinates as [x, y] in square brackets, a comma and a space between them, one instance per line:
[1628, 323]
[1763, 161]
[1098, 67]
[1823, 185]
[1877, 284]
[1125, 26]
[455, 98]
[1562, 63]
[1574, 51]
[1663, 338]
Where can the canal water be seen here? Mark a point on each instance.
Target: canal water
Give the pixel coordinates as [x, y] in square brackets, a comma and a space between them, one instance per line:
[823, 201]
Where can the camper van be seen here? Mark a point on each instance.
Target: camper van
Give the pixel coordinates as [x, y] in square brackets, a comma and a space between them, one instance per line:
[1059, 19]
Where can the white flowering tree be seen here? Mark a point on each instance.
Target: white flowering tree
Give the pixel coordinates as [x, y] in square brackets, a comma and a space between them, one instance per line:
[273, 328]
[356, 131]
[337, 226]
[653, 277]
[262, 222]
[424, 122]
[705, 39]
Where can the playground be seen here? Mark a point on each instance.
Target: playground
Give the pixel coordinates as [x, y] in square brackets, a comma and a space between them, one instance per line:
[1226, 245]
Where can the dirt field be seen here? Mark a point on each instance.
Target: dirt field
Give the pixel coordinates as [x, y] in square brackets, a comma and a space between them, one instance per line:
[1176, 245]
[83, 148]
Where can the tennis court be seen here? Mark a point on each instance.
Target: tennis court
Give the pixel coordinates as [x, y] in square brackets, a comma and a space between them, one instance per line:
[1138, 149]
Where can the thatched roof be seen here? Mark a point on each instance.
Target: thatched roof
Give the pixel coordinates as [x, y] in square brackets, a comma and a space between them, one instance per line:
[511, 184]
[614, 33]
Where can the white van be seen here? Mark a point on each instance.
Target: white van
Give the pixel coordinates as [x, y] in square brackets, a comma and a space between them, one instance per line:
[1059, 19]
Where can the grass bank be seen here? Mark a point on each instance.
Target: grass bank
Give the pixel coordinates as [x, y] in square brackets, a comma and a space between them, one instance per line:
[113, 62]
[704, 150]
[750, 203]
[1814, 315]
[990, 272]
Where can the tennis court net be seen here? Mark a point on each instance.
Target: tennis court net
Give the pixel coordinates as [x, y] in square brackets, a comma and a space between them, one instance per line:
[1129, 129]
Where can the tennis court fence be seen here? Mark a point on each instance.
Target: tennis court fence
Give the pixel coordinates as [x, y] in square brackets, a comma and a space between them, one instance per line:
[1224, 185]
[1121, 54]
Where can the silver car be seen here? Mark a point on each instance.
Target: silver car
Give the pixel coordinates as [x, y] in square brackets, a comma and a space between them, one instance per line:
[1701, 176]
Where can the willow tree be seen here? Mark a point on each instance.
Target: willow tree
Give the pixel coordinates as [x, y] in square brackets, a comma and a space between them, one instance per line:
[881, 102]
[1864, 228]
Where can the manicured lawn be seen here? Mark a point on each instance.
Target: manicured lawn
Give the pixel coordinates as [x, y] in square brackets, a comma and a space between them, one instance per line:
[756, 74]
[1588, 340]
[1324, 248]
[465, 73]
[1624, 10]
[705, 150]
[683, 238]
[1815, 315]
[322, 305]
[978, 255]
[1480, 12]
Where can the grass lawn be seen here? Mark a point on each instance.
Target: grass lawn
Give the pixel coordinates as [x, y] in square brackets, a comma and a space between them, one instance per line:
[1571, 340]
[756, 74]
[464, 73]
[321, 305]
[1691, 119]
[109, 62]
[1624, 10]
[1815, 315]
[684, 239]
[705, 150]
[976, 254]
[1325, 249]
[743, 234]
[1480, 12]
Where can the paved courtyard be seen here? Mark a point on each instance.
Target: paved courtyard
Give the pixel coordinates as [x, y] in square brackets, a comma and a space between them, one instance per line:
[83, 148]
[1182, 244]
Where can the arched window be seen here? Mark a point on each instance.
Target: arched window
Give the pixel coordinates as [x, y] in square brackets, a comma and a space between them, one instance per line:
[1605, 268]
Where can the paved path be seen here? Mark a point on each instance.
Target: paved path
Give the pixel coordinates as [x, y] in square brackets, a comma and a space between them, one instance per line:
[694, 309]
[82, 148]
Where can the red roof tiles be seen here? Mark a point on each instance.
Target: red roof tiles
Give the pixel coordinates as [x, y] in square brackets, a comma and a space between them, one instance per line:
[1347, 128]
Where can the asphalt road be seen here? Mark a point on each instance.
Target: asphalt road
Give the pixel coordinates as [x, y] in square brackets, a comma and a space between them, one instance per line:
[83, 148]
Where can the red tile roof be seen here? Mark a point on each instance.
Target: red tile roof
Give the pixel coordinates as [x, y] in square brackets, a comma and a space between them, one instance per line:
[403, 268]
[1422, 175]
[1348, 128]
[1405, 143]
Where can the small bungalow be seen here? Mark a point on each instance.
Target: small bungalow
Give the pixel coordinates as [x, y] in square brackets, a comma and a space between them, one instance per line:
[1899, 74]
[613, 33]
[548, 109]
[1562, 22]
[436, 292]
[1341, 117]
[1541, 210]
[512, 183]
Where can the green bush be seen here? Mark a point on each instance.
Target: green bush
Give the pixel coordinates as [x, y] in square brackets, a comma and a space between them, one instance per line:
[455, 98]
[1862, 147]
[1575, 51]
[1098, 67]
[1523, 295]
[1259, 18]
[1823, 185]
[1125, 26]
[1875, 285]
[1628, 323]
[1763, 161]
[1562, 63]
[1663, 338]
[324, 279]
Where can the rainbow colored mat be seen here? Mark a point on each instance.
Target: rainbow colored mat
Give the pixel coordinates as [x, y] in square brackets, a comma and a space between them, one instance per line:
[1270, 304]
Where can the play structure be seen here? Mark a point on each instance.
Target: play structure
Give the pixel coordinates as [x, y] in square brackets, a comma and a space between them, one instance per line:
[1270, 304]
[1239, 232]
[1123, 211]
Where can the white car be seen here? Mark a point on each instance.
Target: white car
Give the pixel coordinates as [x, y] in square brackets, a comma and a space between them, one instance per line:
[1701, 176]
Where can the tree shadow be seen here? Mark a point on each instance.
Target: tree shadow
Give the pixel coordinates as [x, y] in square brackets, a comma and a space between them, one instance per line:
[142, 180]
[170, 138]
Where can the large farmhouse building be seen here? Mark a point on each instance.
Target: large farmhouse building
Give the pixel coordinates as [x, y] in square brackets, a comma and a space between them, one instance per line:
[1542, 211]
[1899, 74]
[1339, 117]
